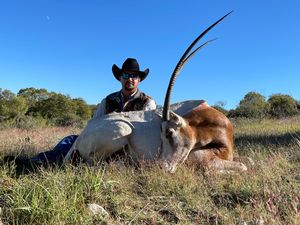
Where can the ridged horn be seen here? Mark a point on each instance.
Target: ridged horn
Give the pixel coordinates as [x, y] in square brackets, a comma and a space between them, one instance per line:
[184, 58]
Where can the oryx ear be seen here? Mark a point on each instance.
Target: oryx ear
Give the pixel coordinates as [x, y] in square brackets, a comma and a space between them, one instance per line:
[175, 118]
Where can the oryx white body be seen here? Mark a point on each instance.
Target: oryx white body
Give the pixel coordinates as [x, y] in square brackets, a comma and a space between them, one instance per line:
[144, 132]
[139, 130]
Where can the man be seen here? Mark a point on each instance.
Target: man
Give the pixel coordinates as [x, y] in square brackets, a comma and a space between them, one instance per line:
[129, 98]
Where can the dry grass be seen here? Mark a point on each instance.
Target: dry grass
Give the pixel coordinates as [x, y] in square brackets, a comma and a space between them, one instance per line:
[31, 141]
[269, 193]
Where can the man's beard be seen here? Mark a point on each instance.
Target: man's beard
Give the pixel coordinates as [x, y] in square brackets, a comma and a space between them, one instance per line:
[129, 86]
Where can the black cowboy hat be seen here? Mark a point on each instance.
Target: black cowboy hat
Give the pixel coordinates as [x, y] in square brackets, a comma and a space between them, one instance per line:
[130, 65]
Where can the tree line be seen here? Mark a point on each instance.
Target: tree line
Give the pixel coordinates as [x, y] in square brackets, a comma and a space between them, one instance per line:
[255, 105]
[32, 107]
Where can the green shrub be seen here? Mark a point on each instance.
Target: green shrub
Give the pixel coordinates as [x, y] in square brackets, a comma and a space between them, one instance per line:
[69, 120]
[25, 122]
[11, 106]
[221, 109]
[253, 105]
[30, 122]
[282, 106]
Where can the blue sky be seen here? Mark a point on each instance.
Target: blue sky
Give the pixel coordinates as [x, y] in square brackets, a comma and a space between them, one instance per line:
[69, 46]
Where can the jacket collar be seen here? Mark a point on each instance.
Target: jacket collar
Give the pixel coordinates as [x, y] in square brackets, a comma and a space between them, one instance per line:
[135, 95]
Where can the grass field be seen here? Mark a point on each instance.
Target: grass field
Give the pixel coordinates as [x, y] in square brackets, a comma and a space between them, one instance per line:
[268, 193]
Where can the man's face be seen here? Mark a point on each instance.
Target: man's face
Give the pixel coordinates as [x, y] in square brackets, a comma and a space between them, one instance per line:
[130, 82]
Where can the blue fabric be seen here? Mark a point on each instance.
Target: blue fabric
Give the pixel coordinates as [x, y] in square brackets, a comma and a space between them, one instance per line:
[58, 152]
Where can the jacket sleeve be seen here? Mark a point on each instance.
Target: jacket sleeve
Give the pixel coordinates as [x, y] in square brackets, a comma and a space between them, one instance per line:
[101, 109]
[150, 105]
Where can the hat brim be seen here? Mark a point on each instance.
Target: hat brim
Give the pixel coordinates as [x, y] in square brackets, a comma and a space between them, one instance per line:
[117, 72]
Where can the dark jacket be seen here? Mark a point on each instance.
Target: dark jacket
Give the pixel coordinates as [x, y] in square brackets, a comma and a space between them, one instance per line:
[115, 102]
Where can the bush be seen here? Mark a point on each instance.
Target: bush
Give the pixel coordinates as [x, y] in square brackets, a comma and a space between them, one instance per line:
[221, 109]
[253, 105]
[81, 109]
[30, 122]
[61, 110]
[11, 106]
[282, 106]
[24, 122]
[69, 120]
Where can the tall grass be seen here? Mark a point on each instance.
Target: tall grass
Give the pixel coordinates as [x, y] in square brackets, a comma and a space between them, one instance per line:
[268, 193]
[31, 141]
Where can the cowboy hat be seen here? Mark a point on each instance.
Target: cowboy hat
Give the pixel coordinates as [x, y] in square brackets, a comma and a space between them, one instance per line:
[130, 65]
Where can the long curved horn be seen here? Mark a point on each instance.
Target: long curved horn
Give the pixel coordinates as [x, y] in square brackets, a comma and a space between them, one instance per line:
[184, 58]
[195, 51]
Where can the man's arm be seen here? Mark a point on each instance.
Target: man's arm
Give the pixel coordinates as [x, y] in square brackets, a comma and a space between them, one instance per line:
[150, 105]
[101, 109]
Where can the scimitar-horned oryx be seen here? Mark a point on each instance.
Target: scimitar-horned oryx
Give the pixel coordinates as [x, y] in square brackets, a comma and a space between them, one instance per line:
[199, 133]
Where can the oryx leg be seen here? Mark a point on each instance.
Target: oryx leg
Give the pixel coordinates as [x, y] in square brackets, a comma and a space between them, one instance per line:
[245, 160]
[210, 161]
[221, 165]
